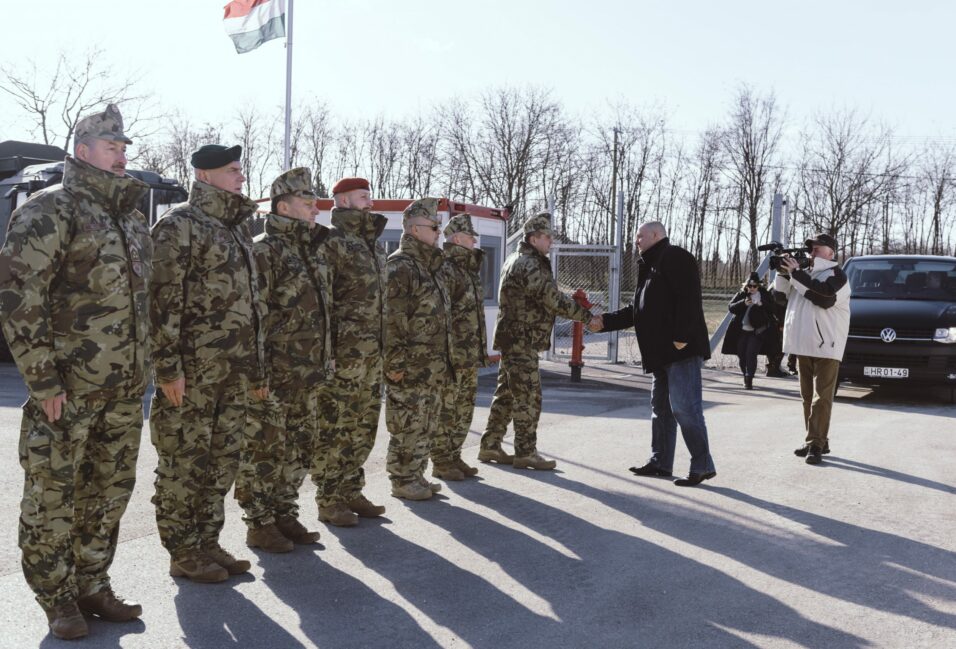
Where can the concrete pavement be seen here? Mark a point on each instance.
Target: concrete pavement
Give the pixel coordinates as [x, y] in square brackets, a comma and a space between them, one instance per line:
[858, 552]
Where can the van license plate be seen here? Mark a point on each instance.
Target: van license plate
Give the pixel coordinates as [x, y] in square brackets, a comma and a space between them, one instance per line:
[887, 372]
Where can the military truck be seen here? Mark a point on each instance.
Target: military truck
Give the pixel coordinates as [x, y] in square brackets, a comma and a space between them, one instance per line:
[26, 167]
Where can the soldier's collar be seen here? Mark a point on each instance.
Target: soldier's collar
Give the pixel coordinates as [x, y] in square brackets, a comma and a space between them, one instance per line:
[227, 207]
[430, 256]
[121, 193]
[359, 222]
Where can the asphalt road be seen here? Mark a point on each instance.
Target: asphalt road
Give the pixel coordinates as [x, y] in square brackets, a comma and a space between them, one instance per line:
[857, 552]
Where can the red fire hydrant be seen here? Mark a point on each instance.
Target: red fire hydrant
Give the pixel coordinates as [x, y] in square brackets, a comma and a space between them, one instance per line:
[577, 337]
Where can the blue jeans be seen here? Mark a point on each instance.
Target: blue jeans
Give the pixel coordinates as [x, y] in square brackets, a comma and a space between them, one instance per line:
[676, 399]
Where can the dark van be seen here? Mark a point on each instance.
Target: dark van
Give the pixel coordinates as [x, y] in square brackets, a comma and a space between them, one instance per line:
[902, 320]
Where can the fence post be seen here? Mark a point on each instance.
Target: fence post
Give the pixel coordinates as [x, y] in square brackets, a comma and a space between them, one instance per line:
[614, 289]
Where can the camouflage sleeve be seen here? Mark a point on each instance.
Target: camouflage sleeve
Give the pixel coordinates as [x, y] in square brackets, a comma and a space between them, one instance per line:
[28, 264]
[170, 262]
[396, 316]
[557, 302]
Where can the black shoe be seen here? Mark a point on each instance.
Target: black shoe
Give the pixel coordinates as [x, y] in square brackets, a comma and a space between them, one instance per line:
[815, 455]
[694, 479]
[802, 451]
[777, 374]
[650, 469]
[749, 382]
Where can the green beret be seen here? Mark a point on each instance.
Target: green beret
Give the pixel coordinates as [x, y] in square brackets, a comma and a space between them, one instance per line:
[425, 208]
[460, 223]
[107, 125]
[540, 223]
[214, 156]
[296, 181]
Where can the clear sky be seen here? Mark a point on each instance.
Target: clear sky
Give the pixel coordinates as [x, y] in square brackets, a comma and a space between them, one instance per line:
[891, 59]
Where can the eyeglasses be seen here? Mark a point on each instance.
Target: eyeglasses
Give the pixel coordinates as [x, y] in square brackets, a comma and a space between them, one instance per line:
[753, 286]
[430, 226]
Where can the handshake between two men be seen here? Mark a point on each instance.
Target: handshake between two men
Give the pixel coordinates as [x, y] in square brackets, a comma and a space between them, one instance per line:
[596, 324]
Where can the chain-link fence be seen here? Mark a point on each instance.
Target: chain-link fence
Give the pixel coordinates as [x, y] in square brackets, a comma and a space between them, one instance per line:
[590, 268]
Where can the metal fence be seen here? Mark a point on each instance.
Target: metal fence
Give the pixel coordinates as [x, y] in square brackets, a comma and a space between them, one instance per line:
[592, 268]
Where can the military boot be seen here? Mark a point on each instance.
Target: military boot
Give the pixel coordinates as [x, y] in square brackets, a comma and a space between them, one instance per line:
[292, 529]
[198, 568]
[338, 514]
[365, 507]
[534, 461]
[495, 455]
[66, 621]
[268, 538]
[469, 471]
[221, 556]
[435, 487]
[412, 491]
[447, 471]
[106, 605]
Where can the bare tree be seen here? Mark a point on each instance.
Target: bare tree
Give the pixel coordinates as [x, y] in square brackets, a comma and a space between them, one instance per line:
[750, 141]
[848, 167]
[79, 84]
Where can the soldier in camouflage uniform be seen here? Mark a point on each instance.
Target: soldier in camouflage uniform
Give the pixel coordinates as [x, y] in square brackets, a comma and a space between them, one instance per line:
[294, 284]
[350, 402]
[529, 301]
[461, 267]
[207, 350]
[73, 277]
[417, 350]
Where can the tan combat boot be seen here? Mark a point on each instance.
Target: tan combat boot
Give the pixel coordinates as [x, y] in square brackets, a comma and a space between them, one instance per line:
[106, 605]
[365, 507]
[412, 491]
[448, 471]
[66, 621]
[198, 568]
[292, 529]
[338, 514]
[534, 461]
[469, 471]
[232, 565]
[435, 487]
[268, 538]
[495, 455]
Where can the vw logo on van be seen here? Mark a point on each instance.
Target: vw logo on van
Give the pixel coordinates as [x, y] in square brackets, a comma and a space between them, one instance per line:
[888, 335]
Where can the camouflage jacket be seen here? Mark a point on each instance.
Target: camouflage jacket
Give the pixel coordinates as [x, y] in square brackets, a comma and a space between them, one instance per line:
[529, 301]
[418, 338]
[294, 286]
[73, 277]
[461, 269]
[356, 261]
[204, 304]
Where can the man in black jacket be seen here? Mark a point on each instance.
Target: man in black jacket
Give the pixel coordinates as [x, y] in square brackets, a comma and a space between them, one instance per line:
[668, 317]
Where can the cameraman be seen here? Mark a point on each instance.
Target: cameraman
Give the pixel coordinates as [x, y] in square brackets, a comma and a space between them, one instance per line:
[815, 329]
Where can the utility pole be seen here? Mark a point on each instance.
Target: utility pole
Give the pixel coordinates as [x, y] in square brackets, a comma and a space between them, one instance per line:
[613, 201]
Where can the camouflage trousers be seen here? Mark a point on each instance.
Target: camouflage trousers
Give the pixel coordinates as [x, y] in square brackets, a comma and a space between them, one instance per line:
[518, 399]
[457, 409]
[411, 415]
[198, 447]
[79, 474]
[349, 407]
[276, 454]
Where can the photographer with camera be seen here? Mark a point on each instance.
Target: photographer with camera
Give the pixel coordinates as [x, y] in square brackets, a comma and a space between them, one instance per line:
[815, 328]
[753, 329]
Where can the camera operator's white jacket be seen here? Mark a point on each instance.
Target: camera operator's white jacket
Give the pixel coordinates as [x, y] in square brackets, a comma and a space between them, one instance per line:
[818, 310]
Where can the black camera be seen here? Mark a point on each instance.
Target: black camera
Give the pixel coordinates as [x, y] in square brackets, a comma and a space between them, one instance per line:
[778, 253]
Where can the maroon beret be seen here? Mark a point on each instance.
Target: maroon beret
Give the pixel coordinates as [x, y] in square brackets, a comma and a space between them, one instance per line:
[349, 184]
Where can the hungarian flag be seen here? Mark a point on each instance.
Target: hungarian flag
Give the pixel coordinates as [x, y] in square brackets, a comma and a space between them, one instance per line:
[250, 23]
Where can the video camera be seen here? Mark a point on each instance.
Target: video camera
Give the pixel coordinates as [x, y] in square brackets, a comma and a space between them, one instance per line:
[779, 253]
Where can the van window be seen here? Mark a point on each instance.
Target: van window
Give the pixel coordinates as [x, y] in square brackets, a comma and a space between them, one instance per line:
[902, 279]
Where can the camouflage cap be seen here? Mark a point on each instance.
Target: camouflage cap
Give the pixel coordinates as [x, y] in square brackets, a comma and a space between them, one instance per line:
[107, 125]
[460, 223]
[425, 208]
[296, 181]
[540, 223]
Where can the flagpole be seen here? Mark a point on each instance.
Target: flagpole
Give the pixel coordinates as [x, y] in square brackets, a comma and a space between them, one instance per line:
[286, 162]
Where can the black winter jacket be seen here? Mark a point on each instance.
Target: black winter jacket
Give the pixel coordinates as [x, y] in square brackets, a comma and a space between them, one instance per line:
[667, 308]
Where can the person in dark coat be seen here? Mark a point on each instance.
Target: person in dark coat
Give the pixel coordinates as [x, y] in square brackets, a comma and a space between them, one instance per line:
[750, 332]
[668, 317]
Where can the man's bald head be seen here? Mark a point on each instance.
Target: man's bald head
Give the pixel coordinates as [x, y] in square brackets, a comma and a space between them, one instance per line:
[648, 234]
